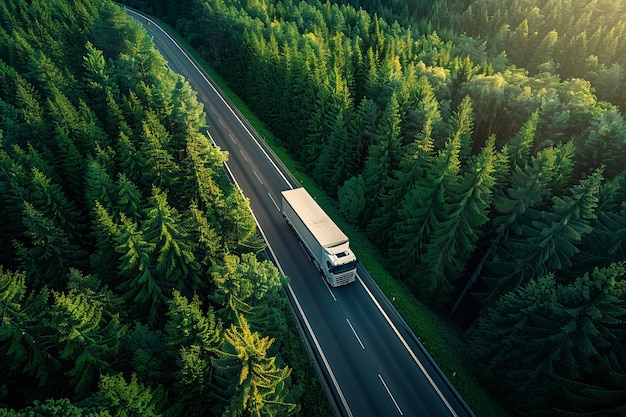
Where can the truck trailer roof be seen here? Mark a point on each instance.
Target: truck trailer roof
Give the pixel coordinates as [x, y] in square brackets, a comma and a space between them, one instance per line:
[325, 231]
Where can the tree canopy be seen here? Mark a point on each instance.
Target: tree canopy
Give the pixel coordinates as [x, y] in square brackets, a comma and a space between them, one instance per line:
[117, 221]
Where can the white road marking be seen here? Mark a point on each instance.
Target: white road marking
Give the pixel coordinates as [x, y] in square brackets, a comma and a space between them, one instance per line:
[211, 137]
[406, 346]
[330, 290]
[258, 178]
[272, 198]
[390, 394]
[244, 157]
[232, 138]
[221, 98]
[356, 335]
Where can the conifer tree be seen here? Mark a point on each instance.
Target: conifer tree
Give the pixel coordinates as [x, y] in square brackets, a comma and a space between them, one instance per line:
[141, 287]
[195, 335]
[86, 332]
[129, 198]
[422, 209]
[175, 262]
[24, 355]
[383, 156]
[459, 228]
[545, 341]
[548, 240]
[46, 254]
[254, 385]
[157, 164]
[120, 397]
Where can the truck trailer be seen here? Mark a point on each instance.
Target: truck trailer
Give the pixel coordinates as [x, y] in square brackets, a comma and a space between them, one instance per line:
[327, 245]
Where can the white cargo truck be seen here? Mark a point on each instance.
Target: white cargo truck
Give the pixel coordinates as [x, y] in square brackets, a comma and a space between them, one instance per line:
[327, 245]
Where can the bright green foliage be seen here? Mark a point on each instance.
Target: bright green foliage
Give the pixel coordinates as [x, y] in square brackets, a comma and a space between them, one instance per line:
[197, 335]
[156, 162]
[256, 385]
[241, 282]
[202, 166]
[87, 332]
[50, 407]
[121, 398]
[175, 262]
[546, 340]
[520, 147]
[189, 325]
[18, 333]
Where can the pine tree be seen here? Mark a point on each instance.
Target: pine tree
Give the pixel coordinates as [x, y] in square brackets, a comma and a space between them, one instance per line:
[415, 158]
[120, 397]
[158, 167]
[422, 209]
[336, 160]
[383, 157]
[253, 384]
[175, 261]
[188, 324]
[547, 241]
[201, 169]
[129, 198]
[545, 340]
[195, 335]
[87, 333]
[231, 291]
[46, 254]
[51, 201]
[141, 287]
[457, 232]
[19, 336]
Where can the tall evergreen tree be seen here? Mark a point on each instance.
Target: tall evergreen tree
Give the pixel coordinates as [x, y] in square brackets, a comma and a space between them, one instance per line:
[548, 240]
[196, 335]
[254, 384]
[175, 261]
[459, 228]
[545, 342]
[422, 209]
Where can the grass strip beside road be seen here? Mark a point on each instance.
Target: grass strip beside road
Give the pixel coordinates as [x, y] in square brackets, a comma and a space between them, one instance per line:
[442, 339]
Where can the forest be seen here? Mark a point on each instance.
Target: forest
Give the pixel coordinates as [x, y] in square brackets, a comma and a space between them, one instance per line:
[132, 281]
[479, 144]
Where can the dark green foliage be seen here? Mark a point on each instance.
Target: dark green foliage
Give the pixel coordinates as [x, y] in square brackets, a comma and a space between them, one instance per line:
[461, 168]
[114, 210]
[546, 241]
[562, 340]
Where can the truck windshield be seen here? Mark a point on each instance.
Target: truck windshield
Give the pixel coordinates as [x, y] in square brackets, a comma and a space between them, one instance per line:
[343, 268]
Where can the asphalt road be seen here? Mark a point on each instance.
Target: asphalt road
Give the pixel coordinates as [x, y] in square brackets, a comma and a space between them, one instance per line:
[369, 361]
